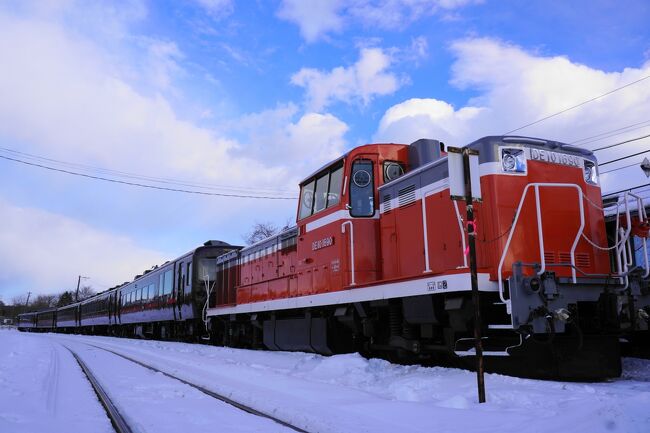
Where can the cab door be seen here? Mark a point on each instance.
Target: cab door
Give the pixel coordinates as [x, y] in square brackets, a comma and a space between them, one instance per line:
[361, 230]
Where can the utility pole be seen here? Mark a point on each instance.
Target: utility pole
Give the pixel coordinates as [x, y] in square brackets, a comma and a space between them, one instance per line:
[645, 166]
[27, 301]
[465, 184]
[76, 296]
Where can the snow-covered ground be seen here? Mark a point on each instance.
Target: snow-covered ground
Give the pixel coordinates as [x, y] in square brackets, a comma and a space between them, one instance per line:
[43, 390]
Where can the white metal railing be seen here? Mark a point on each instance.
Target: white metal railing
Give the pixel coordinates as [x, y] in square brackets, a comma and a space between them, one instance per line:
[425, 235]
[622, 247]
[624, 253]
[353, 282]
[462, 234]
[540, 232]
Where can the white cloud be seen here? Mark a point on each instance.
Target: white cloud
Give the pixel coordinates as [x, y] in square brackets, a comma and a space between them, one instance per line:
[283, 137]
[63, 95]
[419, 118]
[318, 18]
[516, 87]
[361, 82]
[163, 62]
[49, 250]
[314, 17]
[70, 96]
[217, 8]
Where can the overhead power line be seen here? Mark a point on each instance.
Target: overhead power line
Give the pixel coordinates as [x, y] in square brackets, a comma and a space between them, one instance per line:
[624, 157]
[144, 185]
[626, 189]
[164, 180]
[612, 132]
[620, 142]
[621, 168]
[577, 105]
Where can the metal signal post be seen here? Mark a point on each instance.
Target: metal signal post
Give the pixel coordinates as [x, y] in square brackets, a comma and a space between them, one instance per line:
[465, 184]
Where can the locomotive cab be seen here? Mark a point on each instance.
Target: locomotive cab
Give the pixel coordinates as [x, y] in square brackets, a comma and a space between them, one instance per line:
[338, 219]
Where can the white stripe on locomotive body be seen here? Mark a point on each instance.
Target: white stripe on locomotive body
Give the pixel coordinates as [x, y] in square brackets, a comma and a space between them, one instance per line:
[437, 186]
[449, 283]
[339, 215]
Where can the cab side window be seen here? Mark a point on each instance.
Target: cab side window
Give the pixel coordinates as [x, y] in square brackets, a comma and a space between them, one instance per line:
[322, 191]
[362, 189]
[306, 200]
[336, 181]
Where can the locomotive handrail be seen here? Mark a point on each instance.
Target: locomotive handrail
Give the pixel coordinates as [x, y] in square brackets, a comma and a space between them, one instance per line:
[540, 232]
[425, 235]
[352, 282]
[462, 234]
[623, 249]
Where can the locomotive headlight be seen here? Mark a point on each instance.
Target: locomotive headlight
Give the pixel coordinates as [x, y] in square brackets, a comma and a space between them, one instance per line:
[513, 160]
[591, 173]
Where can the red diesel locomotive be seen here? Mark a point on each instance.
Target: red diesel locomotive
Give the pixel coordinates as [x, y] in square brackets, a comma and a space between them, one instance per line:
[378, 263]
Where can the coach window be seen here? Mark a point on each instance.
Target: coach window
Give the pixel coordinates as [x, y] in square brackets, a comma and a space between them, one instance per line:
[208, 269]
[362, 189]
[168, 282]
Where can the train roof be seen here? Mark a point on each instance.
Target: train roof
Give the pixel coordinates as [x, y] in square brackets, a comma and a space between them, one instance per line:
[490, 142]
[342, 157]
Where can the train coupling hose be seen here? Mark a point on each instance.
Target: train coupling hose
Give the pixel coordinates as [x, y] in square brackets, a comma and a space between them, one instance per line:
[643, 314]
[562, 314]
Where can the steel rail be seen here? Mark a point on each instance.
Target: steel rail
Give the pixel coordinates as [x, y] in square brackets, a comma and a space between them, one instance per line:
[119, 424]
[204, 390]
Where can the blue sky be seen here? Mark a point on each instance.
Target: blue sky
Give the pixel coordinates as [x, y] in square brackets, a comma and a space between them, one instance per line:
[249, 97]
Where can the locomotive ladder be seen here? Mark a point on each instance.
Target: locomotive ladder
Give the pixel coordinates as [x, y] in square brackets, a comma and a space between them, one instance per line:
[624, 249]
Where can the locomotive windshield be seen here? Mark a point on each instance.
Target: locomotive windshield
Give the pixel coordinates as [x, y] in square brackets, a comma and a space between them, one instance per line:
[362, 189]
[207, 269]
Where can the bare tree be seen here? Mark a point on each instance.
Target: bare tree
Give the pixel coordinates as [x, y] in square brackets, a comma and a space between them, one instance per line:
[86, 292]
[260, 231]
[19, 300]
[44, 301]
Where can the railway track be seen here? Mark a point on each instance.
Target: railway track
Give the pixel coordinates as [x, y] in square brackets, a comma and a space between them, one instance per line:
[120, 424]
